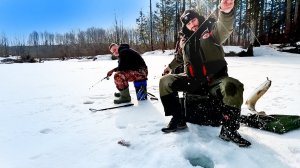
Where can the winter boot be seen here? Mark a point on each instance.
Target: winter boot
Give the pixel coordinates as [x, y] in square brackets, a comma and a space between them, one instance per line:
[174, 125]
[124, 97]
[117, 94]
[172, 107]
[230, 126]
[181, 124]
[234, 137]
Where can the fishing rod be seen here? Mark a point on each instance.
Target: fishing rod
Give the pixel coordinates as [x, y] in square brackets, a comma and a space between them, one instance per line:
[251, 31]
[253, 34]
[107, 78]
[213, 12]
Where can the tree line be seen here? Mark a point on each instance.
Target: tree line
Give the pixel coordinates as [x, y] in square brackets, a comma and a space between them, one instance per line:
[257, 21]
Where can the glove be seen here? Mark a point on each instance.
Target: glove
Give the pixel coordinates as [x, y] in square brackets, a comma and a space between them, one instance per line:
[167, 70]
[109, 73]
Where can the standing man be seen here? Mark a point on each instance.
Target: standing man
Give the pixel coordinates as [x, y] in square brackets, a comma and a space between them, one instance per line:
[131, 67]
[205, 71]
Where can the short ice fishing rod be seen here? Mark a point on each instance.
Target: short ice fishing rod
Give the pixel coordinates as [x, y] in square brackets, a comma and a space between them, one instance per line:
[107, 78]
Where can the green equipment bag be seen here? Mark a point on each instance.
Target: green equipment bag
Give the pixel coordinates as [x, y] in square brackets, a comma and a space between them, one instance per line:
[274, 123]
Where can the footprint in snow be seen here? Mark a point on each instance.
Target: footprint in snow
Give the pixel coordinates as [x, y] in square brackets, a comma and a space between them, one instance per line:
[45, 131]
[98, 96]
[88, 102]
[294, 150]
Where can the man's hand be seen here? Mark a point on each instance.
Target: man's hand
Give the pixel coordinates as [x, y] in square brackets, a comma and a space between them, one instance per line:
[167, 70]
[226, 5]
[109, 73]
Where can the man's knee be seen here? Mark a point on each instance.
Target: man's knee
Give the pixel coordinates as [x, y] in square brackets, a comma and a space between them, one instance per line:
[164, 85]
[118, 74]
[232, 92]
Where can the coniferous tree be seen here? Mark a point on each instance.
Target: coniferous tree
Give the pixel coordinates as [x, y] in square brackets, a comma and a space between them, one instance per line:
[142, 29]
[163, 20]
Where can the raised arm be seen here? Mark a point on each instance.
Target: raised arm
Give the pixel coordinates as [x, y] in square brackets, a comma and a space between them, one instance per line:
[224, 26]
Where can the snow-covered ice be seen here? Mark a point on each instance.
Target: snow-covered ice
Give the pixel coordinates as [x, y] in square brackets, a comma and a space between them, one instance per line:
[45, 121]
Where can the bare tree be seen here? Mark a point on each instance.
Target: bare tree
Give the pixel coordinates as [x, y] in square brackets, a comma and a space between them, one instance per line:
[33, 39]
[3, 45]
[176, 22]
[151, 27]
[117, 32]
[183, 6]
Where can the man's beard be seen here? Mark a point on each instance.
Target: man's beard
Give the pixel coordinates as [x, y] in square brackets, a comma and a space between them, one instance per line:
[195, 28]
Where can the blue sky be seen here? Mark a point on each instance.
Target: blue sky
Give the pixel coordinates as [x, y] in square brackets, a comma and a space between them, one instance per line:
[21, 17]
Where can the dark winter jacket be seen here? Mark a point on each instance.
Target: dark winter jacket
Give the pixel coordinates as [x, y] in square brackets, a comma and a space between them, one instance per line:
[129, 59]
[203, 53]
[177, 61]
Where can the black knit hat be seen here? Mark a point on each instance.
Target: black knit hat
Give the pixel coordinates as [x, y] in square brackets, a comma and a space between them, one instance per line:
[188, 15]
